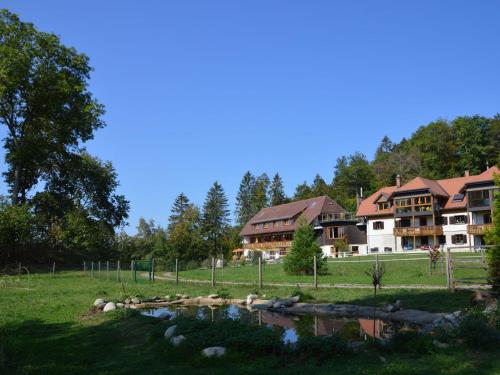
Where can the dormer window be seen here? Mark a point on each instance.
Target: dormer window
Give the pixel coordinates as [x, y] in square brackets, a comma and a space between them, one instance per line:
[258, 226]
[266, 225]
[383, 206]
[288, 222]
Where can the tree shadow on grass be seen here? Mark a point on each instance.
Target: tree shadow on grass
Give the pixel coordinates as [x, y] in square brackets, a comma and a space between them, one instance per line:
[129, 343]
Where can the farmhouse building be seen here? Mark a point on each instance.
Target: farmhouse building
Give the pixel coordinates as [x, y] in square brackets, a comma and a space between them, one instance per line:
[271, 230]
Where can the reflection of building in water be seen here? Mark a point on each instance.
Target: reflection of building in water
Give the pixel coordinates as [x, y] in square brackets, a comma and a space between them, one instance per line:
[322, 327]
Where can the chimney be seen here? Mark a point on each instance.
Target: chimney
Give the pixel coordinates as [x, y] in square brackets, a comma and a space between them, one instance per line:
[359, 198]
[466, 173]
[398, 181]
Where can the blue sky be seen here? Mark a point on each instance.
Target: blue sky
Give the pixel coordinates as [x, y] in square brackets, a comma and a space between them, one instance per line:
[198, 91]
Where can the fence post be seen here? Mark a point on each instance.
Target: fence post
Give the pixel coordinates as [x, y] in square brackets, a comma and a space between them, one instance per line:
[222, 269]
[118, 271]
[213, 271]
[177, 270]
[260, 272]
[132, 271]
[92, 270]
[315, 273]
[53, 268]
[448, 269]
[84, 269]
[107, 269]
[99, 268]
[153, 269]
[430, 265]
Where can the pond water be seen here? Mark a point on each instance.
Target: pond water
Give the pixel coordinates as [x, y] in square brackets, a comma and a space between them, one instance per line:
[292, 327]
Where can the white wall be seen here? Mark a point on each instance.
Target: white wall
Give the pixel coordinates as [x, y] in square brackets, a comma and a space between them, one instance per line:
[380, 238]
[452, 229]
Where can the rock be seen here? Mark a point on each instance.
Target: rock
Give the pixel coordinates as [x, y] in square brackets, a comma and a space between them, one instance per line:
[389, 308]
[251, 297]
[177, 340]
[295, 299]
[277, 305]
[168, 298]
[178, 296]
[398, 304]
[214, 351]
[164, 315]
[127, 301]
[271, 302]
[110, 306]
[100, 306]
[440, 345]
[99, 301]
[135, 300]
[213, 296]
[120, 305]
[170, 331]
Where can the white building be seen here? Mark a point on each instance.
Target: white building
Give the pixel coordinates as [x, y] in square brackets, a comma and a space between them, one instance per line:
[424, 213]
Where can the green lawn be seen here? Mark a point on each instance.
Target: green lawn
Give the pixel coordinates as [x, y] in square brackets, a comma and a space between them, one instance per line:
[401, 269]
[50, 330]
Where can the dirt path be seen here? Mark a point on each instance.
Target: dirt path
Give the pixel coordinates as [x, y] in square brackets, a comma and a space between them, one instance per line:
[168, 276]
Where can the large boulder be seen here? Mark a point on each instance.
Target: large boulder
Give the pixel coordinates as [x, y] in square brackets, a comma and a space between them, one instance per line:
[251, 297]
[110, 306]
[135, 300]
[213, 351]
[170, 331]
[177, 340]
[99, 301]
[213, 296]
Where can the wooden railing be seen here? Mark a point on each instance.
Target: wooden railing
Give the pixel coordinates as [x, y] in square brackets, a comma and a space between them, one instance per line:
[478, 229]
[419, 231]
[341, 216]
[267, 245]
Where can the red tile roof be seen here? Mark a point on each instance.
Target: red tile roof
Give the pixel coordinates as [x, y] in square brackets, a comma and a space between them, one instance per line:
[311, 208]
[443, 188]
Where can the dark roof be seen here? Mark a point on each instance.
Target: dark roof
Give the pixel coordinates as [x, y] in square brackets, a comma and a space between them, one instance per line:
[310, 208]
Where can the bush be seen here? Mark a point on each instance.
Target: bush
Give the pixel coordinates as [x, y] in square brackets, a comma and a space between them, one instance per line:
[411, 342]
[320, 347]
[300, 293]
[477, 333]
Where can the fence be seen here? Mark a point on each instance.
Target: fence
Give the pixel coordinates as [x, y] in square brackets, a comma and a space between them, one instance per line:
[456, 263]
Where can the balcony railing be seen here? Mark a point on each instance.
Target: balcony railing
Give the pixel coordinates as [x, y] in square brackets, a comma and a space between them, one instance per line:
[341, 216]
[430, 230]
[479, 203]
[274, 245]
[478, 229]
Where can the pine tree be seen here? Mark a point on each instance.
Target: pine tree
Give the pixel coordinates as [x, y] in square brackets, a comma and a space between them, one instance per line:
[300, 260]
[260, 197]
[277, 192]
[244, 206]
[319, 187]
[215, 217]
[493, 238]
[302, 191]
[178, 209]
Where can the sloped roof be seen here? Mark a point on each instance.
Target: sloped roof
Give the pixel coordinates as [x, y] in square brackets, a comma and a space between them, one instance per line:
[310, 208]
[445, 188]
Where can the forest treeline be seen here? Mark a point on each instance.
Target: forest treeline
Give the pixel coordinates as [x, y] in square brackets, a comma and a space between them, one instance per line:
[63, 203]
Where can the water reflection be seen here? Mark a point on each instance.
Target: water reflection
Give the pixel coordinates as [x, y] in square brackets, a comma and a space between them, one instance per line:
[291, 327]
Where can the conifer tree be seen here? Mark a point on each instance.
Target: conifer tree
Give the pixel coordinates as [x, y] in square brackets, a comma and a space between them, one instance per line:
[260, 198]
[277, 191]
[244, 199]
[215, 217]
[493, 238]
[300, 260]
[181, 204]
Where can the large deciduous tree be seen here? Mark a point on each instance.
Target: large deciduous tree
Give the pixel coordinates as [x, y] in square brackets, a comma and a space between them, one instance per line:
[45, 103]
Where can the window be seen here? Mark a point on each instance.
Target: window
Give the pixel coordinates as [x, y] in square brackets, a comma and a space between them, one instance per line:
[480, 198]
[459, 239]
[355, 249]
[422, 200]
[335, 232]
[377, 225]
[458, 198]
[387, 249]
[288, 222]
[441, 220]
[374, 250]
[383, 206]
[258, 226]
[422, 221]
[458, 219]
[282, 252]
[266, 225]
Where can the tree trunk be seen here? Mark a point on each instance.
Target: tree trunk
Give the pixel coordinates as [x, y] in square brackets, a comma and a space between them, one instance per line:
[15, 189]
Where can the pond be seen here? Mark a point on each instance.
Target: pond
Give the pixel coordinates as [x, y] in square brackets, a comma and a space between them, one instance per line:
[292, 327]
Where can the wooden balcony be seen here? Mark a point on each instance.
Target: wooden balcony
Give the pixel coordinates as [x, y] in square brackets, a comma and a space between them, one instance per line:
[419, 231]
[274, 245]
[478, 229]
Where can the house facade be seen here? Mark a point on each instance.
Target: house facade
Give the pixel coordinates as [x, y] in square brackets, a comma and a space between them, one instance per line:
[272, 229]
[424, 213]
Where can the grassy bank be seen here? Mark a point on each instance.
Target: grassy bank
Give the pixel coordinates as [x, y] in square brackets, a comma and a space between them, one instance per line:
[50, 330]
[401, 269]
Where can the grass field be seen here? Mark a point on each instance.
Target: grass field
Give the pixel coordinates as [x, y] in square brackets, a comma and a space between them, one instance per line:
[50, 330]
[401, 269]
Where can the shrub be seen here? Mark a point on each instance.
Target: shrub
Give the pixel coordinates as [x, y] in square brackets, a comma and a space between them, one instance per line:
[303, 296]
[477, 333]
[411, 342]
[320, 347]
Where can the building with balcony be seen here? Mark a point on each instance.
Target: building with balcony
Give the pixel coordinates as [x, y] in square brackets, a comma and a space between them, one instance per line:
[424, 213]
[272, 229]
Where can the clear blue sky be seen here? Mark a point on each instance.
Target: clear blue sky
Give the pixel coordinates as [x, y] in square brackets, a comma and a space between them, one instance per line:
[198, 91]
